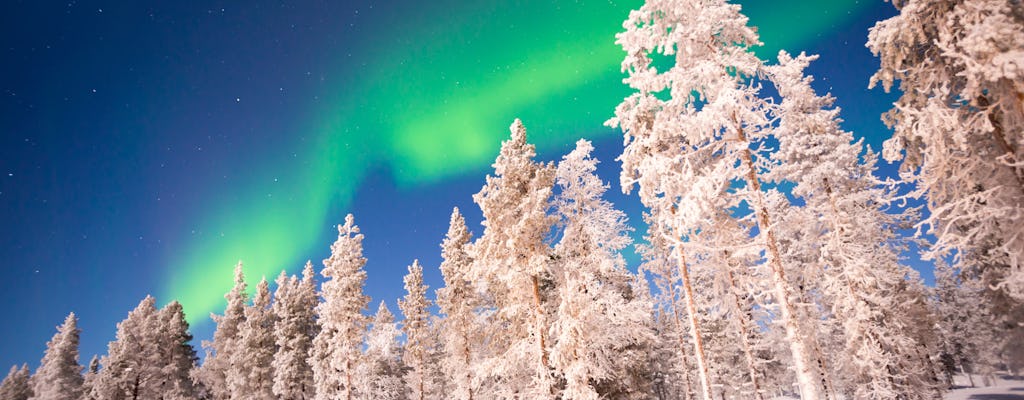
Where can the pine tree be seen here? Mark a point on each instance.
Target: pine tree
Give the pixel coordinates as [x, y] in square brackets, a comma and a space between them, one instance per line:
[457, 301]
[176, 355]
[294, 308]
[336, 348]
[59, 376]
[252, 375]
[414, 310]
[381, 374]
[219, 352]
[89, 380]
[599, 328]
[959, 126]
[131, 368]
[857, 246]
[16, 385]
[511, 261]
[695, 143]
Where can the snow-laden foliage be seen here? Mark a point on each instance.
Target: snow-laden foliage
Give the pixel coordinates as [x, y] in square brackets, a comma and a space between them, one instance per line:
[381, 375]
[336, 349]
[294, 309]
[16, 385]
[221, 349]
[599, 332]
[457, 301]
[511, 263]
[59, 376]
[415, 311]
[253, 377]
[694, 132]
[958, 126]
[150, 358]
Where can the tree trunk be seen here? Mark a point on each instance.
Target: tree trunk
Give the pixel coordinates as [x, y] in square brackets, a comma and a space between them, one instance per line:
[741, 317]
[795, 336]
[541, 339]
[682, 343]
[698, 342]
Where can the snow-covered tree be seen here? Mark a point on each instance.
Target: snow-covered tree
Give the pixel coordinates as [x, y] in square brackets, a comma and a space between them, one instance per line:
[695, 142]
[856, 246]
[599, 328]
[511, 261]
[959, 126]
[252, 376]
[381, 374]
[457, 301]
[59, 376]
[176, 356]
[150, 358]
[219, 352]
[89, 379]
[16, 385]
[415, 311]
[294, 308]
[336, 348]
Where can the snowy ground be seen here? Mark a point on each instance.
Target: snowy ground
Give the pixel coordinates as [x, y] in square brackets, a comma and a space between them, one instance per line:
[1002, 389]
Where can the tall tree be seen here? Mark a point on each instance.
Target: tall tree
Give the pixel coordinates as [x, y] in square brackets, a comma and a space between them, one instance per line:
[220, 351]
[294, 308]
[598, 326]
[381, 374]
[151, 357]
[959, 126]
[59, 376]
[336, 348]
[253, 376]
[457, 301]
[89, 379]
[695, 133]
[857, 247]
[511, 259]
[414, 310]
[16, 385]
[176, 356]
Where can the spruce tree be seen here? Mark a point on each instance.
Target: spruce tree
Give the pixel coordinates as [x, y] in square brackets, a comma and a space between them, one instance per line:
[457, 301]
[294, 308]
[59, 376]
[252, 375]
[336, 349]
[511, 261]
[414, 310]
[16, 385]
[220, 351]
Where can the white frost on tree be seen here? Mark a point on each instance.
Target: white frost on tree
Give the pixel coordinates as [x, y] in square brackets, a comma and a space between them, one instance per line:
[336, 349]
[16, 385]
[696, 130]
[598, 326]
[415, 311]
[294, 308]
[219, 352]
[511, 259]
[457, 301]
[959, 126]
[252, 376]
[150, 357]
[381, 373]
[59, 376]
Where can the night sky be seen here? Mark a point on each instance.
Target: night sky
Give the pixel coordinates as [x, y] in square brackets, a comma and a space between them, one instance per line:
[148, 146]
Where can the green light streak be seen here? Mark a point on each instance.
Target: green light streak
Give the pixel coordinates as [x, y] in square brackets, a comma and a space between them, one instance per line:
[437, 107]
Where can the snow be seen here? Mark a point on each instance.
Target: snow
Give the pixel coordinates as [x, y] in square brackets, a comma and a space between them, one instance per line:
[1005, 388]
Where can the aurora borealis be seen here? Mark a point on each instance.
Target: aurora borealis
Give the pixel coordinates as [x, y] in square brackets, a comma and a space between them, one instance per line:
[206, 135]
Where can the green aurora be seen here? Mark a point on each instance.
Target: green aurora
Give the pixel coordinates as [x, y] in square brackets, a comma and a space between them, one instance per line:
[431, 102]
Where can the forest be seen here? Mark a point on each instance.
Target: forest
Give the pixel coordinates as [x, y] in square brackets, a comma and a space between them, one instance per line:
[771, 266]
